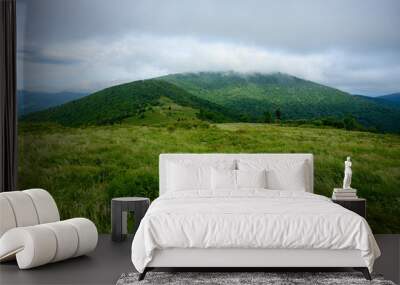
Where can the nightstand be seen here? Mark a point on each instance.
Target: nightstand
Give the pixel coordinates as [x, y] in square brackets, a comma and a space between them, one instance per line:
[357, 205]
[119, 208]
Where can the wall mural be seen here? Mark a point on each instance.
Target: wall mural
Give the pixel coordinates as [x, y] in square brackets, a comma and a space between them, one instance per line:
[106, 86]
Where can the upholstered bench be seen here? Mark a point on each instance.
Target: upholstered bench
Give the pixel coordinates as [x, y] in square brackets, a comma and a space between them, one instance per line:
[31, 230]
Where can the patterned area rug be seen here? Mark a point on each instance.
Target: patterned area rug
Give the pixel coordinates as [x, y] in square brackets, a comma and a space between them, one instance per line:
[229, 278]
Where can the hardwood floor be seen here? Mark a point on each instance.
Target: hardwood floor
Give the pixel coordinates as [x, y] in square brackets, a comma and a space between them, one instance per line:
[110, 260]
[103, 266]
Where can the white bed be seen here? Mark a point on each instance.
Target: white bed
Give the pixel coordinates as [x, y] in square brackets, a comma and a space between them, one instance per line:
[249, 227]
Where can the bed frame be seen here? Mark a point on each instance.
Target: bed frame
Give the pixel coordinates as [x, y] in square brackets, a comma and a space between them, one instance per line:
[244, 259]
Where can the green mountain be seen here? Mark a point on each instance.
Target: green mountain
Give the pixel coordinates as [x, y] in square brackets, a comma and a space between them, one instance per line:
[254, 94]
[221, 97]
[131, 100]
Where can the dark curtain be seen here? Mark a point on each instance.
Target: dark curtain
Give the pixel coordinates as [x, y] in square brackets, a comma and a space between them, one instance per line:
[8, 110]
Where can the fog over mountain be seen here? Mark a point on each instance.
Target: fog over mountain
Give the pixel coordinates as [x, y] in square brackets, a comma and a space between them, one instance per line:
[86, 45]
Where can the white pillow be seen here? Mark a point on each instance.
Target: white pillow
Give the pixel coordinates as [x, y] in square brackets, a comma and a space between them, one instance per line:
[251, 178]
[292, 179]
[281, 174]
[188, 177]
[223, 179]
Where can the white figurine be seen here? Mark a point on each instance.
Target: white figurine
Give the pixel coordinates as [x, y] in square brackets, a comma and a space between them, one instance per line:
[347, 174]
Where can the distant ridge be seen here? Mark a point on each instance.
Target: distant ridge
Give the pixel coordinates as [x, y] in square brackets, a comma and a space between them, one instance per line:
[393, 98]
[390, 100]
[29, 101]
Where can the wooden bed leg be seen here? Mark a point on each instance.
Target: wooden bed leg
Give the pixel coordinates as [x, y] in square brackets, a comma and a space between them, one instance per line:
[364, 271]
[143, 274]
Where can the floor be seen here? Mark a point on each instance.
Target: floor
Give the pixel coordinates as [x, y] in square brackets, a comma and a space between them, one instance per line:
[103, 266]
[110, 260]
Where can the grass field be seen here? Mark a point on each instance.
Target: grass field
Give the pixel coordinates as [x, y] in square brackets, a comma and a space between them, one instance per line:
[84, 168]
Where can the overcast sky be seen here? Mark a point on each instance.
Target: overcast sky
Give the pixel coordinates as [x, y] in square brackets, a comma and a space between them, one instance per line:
[86, 45]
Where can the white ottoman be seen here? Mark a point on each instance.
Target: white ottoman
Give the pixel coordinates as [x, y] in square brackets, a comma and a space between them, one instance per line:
[31, 232]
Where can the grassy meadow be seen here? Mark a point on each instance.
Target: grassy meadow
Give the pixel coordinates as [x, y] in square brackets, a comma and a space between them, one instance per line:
[85, 167]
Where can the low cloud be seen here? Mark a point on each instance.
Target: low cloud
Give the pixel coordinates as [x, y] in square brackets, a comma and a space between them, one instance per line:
[86, 45]
[88, 65]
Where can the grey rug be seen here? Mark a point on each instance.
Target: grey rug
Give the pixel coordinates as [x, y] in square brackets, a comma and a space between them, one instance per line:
[228, 278]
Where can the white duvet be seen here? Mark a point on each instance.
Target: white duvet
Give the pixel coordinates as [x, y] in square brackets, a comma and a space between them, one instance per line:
[250, 219]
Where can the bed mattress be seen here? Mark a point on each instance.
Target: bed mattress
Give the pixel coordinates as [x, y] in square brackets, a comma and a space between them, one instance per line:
[251, 219]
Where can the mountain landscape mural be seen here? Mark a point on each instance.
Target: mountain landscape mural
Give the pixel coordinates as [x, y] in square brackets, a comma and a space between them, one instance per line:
[107, 143]
[99, 100]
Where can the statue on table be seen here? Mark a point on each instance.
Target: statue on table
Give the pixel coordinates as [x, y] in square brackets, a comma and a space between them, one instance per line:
[347, 174]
